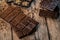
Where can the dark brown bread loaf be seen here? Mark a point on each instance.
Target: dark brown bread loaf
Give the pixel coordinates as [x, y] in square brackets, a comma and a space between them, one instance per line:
[21, 23]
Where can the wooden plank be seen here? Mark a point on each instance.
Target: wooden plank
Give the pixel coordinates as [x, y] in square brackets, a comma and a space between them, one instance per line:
[5, 30]
[54, 28]
[41, 33]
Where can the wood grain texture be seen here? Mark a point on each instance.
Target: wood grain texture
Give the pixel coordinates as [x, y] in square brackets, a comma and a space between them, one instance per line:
[5, 30]
[53, 26]
[42, 32]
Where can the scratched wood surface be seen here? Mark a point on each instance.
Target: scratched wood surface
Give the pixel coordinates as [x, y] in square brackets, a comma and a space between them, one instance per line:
[48, 29]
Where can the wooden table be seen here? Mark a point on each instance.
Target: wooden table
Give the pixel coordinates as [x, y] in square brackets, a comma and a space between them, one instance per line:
[48, 29]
